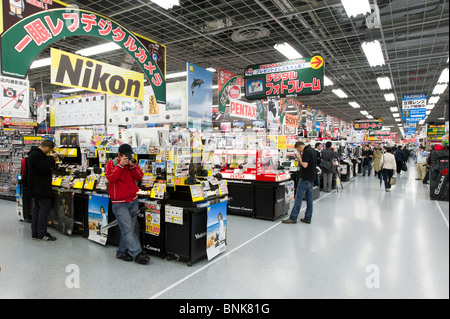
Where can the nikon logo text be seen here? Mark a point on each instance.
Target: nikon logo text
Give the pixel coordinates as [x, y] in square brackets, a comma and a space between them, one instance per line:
[77, 71]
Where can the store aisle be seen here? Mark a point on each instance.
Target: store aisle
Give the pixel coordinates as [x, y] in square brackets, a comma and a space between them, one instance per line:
[362, 243]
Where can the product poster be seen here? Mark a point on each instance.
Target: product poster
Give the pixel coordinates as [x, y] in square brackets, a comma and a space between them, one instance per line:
[199, 88]
[65, 212]
[216, 230]
[152, 218]
[98, 218]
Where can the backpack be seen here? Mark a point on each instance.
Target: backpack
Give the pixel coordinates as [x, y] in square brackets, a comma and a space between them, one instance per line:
[23, 172]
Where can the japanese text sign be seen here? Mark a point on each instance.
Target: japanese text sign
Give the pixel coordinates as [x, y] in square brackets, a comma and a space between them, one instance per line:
[291, 78]
[368, 124]
[414, 107]
[23, 42]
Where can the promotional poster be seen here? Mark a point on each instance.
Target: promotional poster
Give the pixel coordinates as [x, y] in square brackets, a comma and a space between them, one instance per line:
[98, 218]
[216, 230]
[199, 88]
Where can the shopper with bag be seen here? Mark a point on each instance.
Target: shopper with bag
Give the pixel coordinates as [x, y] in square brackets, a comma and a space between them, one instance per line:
[123, 175]
[327, 167]
[367, 155]
[389, 166]
[400, 158]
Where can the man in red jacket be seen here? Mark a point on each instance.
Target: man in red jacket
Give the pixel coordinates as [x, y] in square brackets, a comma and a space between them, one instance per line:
[123, 175]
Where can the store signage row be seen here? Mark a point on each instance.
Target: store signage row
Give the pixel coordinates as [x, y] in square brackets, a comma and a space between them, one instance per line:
[414, 107]
[290, 78]
[80, 72]
[380, 133]
[368, 124]
[25, 40]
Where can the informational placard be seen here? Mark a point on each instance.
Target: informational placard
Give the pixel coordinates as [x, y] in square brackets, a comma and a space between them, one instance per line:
[80, 110]
[174, 215]
[290, 78]
[414, 107]
[14, 97]
[291, 120]
[216, 231]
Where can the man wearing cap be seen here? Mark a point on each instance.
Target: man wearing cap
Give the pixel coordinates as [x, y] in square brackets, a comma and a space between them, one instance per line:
[123, 175]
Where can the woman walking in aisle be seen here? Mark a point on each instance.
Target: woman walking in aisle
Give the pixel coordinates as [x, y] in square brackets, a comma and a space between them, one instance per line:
[389, 165]
[377, 161]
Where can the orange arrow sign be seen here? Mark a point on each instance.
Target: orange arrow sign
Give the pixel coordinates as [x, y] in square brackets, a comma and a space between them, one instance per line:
[316, 62]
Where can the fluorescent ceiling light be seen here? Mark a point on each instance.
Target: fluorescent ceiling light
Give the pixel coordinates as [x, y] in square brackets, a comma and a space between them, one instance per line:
[396, 114]
[98, 49]
[176, 75]
[400, 124]
[288, 51]
[340, 93]
[384, 83]
[364, 112]
[355, 7]
[433, 100]
[444, 76]
[41, 63]
[441, 118]
[215, 86]
[354, 105]
[71, 90]
[389, 97]
[213, 70]
[428, 112]
[421, 122]
[430, 106]
[440, 88]
[327, 81]
[394, 109]
[166, 4]
[398, 120]
[370, 117]
[373, 53]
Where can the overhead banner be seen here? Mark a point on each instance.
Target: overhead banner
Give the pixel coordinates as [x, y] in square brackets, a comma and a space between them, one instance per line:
[14, 97]
[76, 71]
[368, 124]
[25, 40]
[414, 107]
[291, 78]
[200, 98]
[231, 89]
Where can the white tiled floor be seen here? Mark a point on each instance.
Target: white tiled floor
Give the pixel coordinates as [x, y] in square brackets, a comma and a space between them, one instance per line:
[359, 237]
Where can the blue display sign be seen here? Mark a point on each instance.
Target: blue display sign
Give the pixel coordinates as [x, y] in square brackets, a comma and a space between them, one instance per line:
[414, 107]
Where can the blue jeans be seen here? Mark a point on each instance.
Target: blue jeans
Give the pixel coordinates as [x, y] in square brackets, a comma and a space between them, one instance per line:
[126, 215]
[304, 187]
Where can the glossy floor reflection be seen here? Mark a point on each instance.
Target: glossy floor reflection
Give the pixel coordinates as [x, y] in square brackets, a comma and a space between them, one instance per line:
[362, 243]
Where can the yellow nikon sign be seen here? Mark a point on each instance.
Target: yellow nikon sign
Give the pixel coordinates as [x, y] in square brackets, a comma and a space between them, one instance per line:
[79, 72]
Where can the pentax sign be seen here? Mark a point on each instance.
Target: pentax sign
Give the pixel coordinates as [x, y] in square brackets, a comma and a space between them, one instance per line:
[242, 110]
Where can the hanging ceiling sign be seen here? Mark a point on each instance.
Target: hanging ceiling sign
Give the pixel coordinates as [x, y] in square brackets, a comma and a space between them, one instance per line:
[23, 42]
[368, 124]
[231, 89]
[291, 78]
[79, 72]
[414, 107]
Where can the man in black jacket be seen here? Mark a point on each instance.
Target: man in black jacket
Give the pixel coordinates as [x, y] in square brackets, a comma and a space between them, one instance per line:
[39, 181]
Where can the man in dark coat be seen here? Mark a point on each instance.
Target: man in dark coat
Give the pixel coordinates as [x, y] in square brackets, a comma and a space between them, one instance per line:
[39, 181]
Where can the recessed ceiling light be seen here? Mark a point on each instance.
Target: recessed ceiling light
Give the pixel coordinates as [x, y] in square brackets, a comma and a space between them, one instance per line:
[384, 83]
[340, 93]
[444, 76]
[288, 51]
[355, 7]
[389, 97]
[98, 49]
[394, 109]
[354, 105]
[433, 100]
[166, 4]
[440, 88]
[374, 53]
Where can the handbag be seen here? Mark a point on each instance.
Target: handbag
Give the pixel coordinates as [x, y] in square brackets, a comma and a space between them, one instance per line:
[393, 181]
[326, 165]
[404, 167]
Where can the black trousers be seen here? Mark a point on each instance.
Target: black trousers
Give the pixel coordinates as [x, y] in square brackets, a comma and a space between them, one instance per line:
[387, 175]
[399, 167]
[40, 209]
